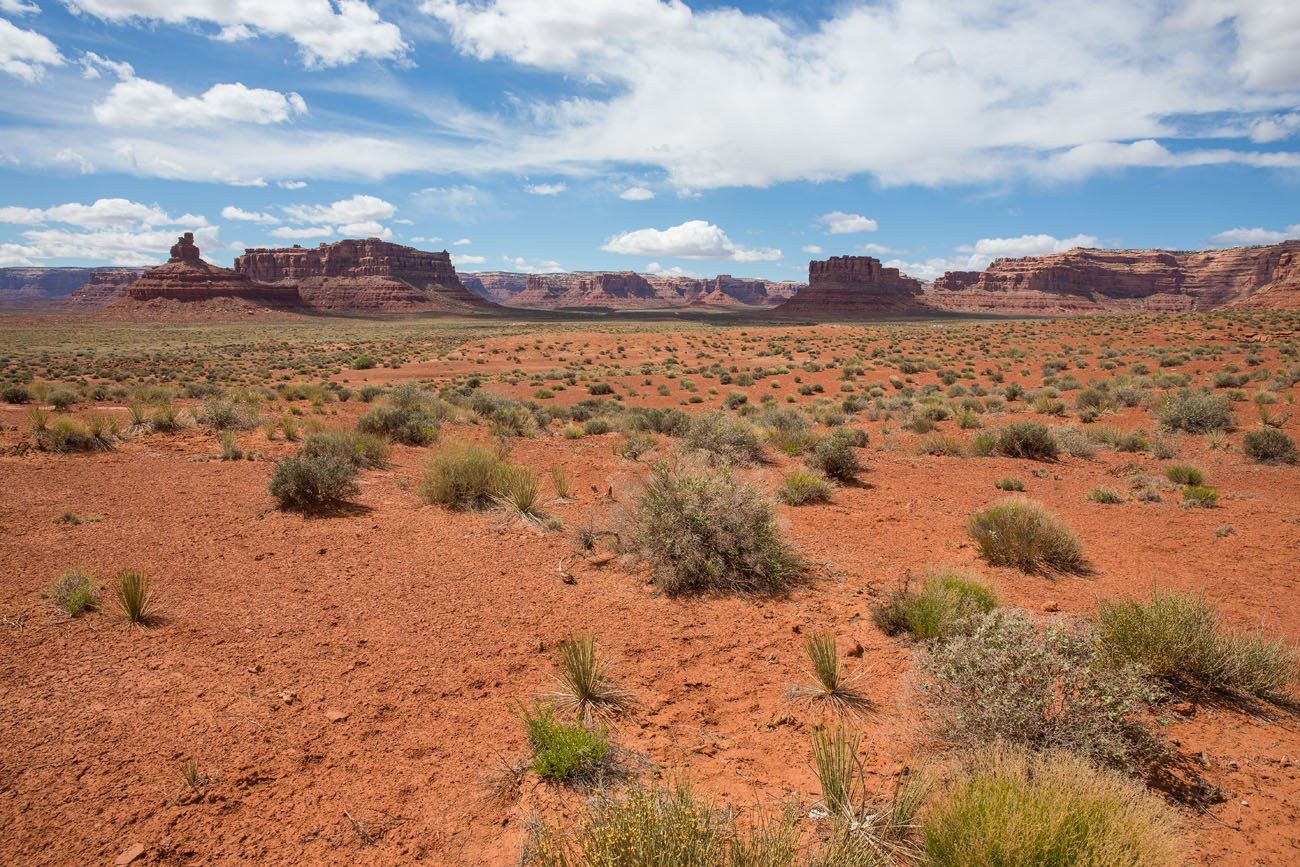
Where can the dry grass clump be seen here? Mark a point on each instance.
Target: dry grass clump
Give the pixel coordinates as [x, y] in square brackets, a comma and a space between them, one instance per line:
[1042, 689]
[583, 687]
[835, 457]
[74, 592]
[704, 530]
[725, 438]
[468, 477]
[1027, 439]
[1017, 809]
[1184, 474]
[802, 488]
[947, 604]
[1022, 533]
[1269, 446]
[1195, 412]
[1178, 636]
[68, 435]
[833, 689]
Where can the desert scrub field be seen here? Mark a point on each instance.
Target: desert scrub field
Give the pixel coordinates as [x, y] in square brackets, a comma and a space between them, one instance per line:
[466, 592]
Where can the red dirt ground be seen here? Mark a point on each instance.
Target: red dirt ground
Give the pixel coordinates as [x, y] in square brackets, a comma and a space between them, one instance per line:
[424, 626]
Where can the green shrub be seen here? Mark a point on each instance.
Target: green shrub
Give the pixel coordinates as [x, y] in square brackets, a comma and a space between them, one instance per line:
[802, 488]
[1179, 637]
[74, 592]
[313, 481]
[706, 531]
[363, 361]
[941, 445]
[69, 435]
[947, 604]
[1009, 484]
[1010, 808]
[410, 425]
[632, 446]
[1184, 474]
[1006, 680]
[725, 438]
[1105, 496]
[1269, 446]
[562, 751]
[15, 393]
[836, 458]
[1195, 412]
[61, 399]
[1027, 439]
[360, 450]
[225, 415]
[1023, 534]
[1198, 496]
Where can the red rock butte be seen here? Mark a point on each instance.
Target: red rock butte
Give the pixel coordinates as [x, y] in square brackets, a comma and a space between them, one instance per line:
[855, 286]
[1087, 280]
[186, 277]
[625, 290]
[366, 275]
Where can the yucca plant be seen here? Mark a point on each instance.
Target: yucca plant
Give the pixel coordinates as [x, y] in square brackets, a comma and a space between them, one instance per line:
[582, 685]
[832, 690]
[839, 770]
[135, 596]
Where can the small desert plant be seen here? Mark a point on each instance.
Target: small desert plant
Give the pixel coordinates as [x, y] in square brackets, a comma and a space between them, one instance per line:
[313, 481]
[560, 481]
[1009, 484]
[517, 490]
[1011, 808]
[833, 689]
[705, 530]
[1105, 496]
[135, 596]
[74, 592]
[835, 457]
[230, 450]
[360, 450]
[941, 445]
[1178, 636]
[61, 399]
[1027, 439]
[801, 488]
[1051, 689]
[947, 604]
[69, 435]
[725, 438]
[582, 685]
[1200, 497]
[1023, 534]
[632, 446]
[562, 751]
[409, 423]
[1195, 412]
[15, 393]
[1269, 446]
[840, 771]
[1184, 474]
[220, 415]
[463, 476]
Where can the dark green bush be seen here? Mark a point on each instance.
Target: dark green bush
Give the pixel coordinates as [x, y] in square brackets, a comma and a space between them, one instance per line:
[312, 482]
[1027, 439]
[1269, 446]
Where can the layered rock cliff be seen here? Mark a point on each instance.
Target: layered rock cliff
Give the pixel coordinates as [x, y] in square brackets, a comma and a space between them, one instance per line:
[625, 290]
[363, 275]
[853, 286]
[24, 286]
[104, 286]
[186, 277]
[1086, 280]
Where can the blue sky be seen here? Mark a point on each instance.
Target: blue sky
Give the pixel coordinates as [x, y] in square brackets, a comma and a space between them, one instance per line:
[637, 134]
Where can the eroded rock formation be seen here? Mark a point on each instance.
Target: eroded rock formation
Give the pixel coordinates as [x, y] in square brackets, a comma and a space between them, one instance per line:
[104, 286]
[853, 286]
[38, 286]
[625, 290]
[186, 277]
[1086, 280]
[363, 275]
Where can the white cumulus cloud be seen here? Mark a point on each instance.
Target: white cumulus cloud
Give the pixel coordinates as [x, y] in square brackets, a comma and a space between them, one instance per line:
[139, 102]
[545, 189]
[1244, 237]
[230, 212]
[357, 209]
[694, 239]
[840, 223]
[327, 32]
[25, 54]
[636, 194]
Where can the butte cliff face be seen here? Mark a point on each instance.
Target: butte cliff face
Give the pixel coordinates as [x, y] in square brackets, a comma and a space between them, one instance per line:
[1085, 280]
[854, 286]
[104, 286]
[35, 286]
[367, 275]
[186, 277]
